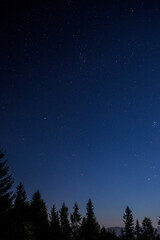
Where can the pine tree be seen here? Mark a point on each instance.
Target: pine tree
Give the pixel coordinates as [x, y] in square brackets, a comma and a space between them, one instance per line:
[55, 231]
[148, 232]
[65, 226]
[22, 228]
[92, 228]
[6, 197]
[129, 225]
[138, 230]
[103, 234]
[121, 236]
[75, 221]
[82, 229]
[6, 182]
[107, 235]
[111, 235]
[39, 217]
[21, 197]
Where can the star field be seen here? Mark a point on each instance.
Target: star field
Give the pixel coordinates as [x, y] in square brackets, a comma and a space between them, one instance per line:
[79, 103]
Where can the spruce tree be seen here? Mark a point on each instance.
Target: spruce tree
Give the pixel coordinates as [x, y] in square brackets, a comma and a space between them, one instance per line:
[21, 197]
[107, 235]
[23, 228]
[55, 231]
[138, 230]
[129, 225]
[6, 182]
[6, 197]
[148, 232]
[92, 228]
[121, 236]
[65, 226]
[75, 221]
[82, 229]
[103, 234]
[39, 217]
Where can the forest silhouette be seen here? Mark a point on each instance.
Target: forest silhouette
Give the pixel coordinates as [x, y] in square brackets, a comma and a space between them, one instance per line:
[21, 219]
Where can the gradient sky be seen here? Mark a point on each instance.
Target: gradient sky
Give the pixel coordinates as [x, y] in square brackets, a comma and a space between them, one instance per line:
[80, 103]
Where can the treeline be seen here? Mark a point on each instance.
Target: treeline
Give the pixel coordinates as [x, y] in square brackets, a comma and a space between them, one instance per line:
[21, 219]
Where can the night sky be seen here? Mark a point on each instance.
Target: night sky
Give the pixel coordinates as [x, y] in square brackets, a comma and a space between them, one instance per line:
[80, 103]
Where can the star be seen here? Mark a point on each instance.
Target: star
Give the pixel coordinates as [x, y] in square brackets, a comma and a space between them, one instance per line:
[154, 124]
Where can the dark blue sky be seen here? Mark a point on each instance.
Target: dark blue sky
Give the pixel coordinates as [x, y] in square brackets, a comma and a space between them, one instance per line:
[80, 103]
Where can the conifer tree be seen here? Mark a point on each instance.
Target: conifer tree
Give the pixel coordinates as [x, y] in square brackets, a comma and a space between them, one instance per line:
[82, 229]
[23, 228]
[6, 182]
[138, 230]
[148, 232]
[111, 235]
[65, 226]
[55, 231]
[107, 235]
[92, 228]
[75, 221]
[121, 236]
[39, 217]
[21, 197]
[129, 225]
[103, 234]
[6, 196]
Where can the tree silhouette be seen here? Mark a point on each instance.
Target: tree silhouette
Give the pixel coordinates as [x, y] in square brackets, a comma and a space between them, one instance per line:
[82, 229]
[103, 234]
[55, 231]
[121, 236]
[138, 230]
[129, 225]
[6, 196]
[22, 228]
[75, 221]
[107, 235]
[39, 217]
[65, 226]
[148, 232]
[21, 197]
[92, 228]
